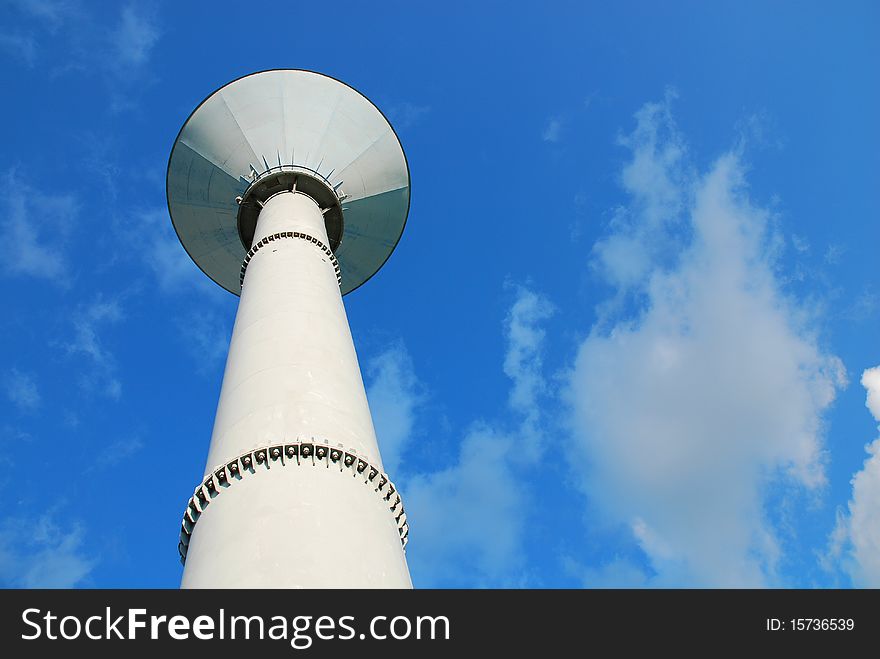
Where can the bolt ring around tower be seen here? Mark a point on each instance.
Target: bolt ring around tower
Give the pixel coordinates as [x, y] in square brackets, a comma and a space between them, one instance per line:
[296, 454]
[290, 178]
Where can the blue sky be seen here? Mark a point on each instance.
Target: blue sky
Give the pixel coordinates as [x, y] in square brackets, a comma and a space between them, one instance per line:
[624, 341]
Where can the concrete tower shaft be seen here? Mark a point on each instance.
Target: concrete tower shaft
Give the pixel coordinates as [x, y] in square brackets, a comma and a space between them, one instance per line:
[292, 379]
[292, 368]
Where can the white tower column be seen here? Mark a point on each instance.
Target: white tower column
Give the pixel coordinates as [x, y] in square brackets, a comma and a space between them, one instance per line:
[291, 189]
[292, 380]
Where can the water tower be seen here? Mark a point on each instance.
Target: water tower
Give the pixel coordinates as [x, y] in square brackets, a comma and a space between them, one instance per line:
[291, 189]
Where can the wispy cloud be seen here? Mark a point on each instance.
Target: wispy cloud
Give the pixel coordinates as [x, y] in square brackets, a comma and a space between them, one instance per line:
[394, 394]
[800, 243]
[51, 14]
[129, 42]
[134, 36]
[645, 233]
[834, 253]
[42, 19]
[552, 130]
[126, 54]
[523, 364]
[864, 306]
[165, 256]
[205, 332]
[468, 520]
[856, 538]
[709, 389]
[116, 453]
[88, 320]
[36, 223]
[41, 554]
[204, 327]
[93, 40]
[406, 115]
[469, 517]
[22, 391]
[13, 437]
[616, 573]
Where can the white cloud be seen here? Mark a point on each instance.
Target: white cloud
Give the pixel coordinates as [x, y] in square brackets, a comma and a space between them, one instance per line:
[117, 452]
[800, 243]
[90, 40]
[134, 36]
[165, 256]
[523, 364]
[864, 306]
[36, 225]
[552, 130]
[834, 253]
[21, 389]
[712, 388]
[42, 17]
[205, 326]
[50, 13]
[406, 115]
[40, 554]
[859, 531]
[645, 233]
[871, 382]
[468, 519]
[525, 341]
[394, 394]
[13, 438]
[864, 521]
[87, 321]
[206, 335]
[616, 573]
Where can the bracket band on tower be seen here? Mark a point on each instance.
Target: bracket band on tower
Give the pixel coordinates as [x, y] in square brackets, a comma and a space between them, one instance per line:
[295, 454]
[291, 234]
